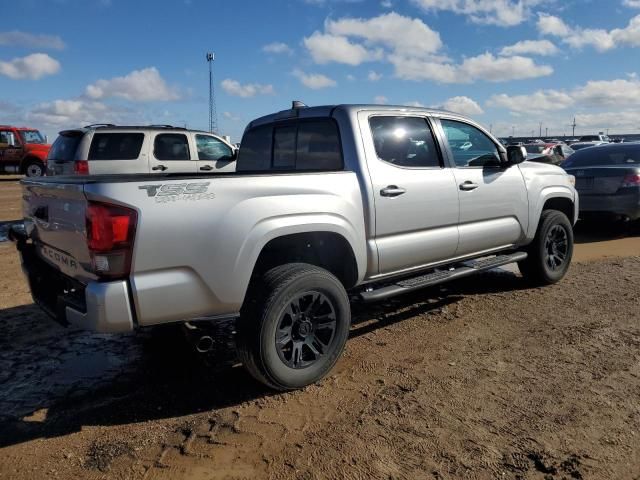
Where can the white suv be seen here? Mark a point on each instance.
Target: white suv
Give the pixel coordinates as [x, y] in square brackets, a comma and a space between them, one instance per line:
[110, 149]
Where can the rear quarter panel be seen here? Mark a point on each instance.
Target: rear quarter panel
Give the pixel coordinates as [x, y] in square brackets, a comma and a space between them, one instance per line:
[194, 253]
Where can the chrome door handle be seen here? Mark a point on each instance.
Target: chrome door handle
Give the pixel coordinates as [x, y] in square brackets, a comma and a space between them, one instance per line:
[392, 191]
[468, 186]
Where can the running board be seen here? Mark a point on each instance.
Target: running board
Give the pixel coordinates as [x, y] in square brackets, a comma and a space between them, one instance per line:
[440, 276]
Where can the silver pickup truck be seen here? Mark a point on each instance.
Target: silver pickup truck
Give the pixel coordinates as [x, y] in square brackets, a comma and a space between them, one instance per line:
[328, 205]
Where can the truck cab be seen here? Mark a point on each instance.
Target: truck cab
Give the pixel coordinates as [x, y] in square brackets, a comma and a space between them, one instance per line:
[23, 150]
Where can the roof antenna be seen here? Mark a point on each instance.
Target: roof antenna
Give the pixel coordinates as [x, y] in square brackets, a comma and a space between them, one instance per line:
[297, 104]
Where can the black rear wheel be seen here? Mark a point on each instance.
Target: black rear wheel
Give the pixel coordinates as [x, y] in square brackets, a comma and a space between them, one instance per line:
[551, 251]
[34, 169]
[294, 326]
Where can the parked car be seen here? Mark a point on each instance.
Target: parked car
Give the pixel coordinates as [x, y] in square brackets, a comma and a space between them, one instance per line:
[595, 138]
[23, 150]
[554, 153]
[580, 145]
[111, 149]
[327, 204]
[608, 180]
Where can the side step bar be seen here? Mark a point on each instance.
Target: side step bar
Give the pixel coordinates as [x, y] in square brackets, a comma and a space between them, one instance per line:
[440, 276]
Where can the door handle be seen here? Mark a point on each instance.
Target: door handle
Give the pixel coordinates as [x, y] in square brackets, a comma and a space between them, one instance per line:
[162, 168]
[468, 186]
[392, 191]
[206, 168]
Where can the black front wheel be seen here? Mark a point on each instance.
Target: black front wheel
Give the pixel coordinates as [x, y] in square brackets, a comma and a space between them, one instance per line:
[294, 325]
[34, 169]
[551, 250]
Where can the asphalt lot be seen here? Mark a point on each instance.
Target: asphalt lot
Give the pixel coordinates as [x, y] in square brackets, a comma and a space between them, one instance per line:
[482, 379]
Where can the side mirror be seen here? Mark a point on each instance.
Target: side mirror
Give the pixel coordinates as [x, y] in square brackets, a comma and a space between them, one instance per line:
[516, 154]
[234, 155]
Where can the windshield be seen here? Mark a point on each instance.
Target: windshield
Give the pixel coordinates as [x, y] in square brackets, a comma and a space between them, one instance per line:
[32, 136]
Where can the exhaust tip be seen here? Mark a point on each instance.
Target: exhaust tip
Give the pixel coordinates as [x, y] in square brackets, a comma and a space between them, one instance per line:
[204, 344]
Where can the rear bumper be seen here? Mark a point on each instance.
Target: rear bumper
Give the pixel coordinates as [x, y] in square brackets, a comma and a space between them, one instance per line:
[98, 307]
[626, 204]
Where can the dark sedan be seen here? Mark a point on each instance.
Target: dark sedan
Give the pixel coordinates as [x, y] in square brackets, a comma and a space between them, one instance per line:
[608, 180]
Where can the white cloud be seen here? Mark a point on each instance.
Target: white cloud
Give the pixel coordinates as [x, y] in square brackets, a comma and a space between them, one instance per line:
[505, 13]
[373, 76]
[33, 67]
[602, 93]
[144, 85]
[325, 48]
[30, 40]
[351, 78]
[462, 105]
[601, 40]
[386, 4]
[409, 36]
[314, 81]
[231, 116]
[235, 88]
[380, 100]
[481, 67]
[540, 101]
[414, 103]
[78, 112]
[413, 49]
[277, 47]
[631, 3]
[534, 47]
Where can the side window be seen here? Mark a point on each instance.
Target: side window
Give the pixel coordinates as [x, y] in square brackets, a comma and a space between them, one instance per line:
[115, 146]
[284, 147]
[8, 139]
[470, 146]
[171, 146]
[318, 146]
[210, 148]
[404, 141]
[255, 149]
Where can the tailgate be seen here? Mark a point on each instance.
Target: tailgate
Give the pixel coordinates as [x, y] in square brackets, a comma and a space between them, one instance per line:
[54, 217]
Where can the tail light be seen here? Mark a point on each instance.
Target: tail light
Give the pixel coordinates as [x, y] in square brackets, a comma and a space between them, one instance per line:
[110, 233]
[81, 167]
[631, 180]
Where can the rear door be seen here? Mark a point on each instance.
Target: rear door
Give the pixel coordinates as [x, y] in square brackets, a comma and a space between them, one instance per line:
[213, 154]
[171, 153]
[63, 152]
[494, 206]
[415, 196]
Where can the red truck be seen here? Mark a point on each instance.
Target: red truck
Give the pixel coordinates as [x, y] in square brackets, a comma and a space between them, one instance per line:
[23, 150]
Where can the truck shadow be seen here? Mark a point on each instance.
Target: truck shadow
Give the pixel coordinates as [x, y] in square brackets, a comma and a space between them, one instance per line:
[56, 380]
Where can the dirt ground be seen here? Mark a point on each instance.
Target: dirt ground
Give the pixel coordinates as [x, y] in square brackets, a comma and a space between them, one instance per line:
[485, 378]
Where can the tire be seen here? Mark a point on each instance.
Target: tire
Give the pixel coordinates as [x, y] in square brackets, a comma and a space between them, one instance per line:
[546, 263]
[34, 168]
[294, 326]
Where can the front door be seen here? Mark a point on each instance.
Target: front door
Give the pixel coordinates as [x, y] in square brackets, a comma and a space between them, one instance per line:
[213, 154]
[494, 207]
[416, 202]
[171, 154]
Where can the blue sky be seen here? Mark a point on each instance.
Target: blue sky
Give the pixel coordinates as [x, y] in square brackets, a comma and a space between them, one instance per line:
[507, 63]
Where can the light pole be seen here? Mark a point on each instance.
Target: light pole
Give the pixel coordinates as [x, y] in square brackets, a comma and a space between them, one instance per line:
[213, 120]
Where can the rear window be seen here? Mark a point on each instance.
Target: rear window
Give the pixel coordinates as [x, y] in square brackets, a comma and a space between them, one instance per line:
[64, 148]
[303, 145]
[116, 146]
[591, 157]
[534, 148]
